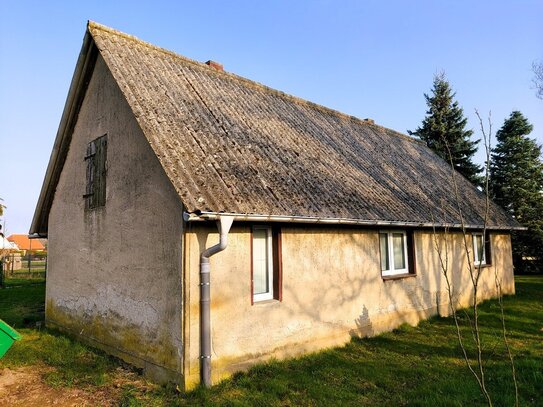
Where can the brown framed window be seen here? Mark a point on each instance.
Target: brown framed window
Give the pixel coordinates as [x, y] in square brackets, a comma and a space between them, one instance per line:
[265, 263]
[482, 255]
[96, 156]
[397, 253]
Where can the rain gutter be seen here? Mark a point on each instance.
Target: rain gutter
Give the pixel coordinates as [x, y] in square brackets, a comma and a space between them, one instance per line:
[239, 217]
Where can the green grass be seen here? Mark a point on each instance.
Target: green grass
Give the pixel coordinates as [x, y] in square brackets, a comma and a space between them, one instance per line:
[22, 302]
[419, 366]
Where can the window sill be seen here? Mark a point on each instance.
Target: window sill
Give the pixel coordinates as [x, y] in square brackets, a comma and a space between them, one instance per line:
[266, 302]
[483, 266]
[398, 276]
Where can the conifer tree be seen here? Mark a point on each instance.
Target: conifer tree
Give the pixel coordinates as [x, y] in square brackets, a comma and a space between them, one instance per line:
[445, 126]
[516, 183]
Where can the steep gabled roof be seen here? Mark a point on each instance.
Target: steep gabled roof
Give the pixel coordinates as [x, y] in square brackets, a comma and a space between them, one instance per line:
[232, 145]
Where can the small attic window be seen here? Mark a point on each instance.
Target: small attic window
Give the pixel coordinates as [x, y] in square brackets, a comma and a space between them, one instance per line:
[95, 192]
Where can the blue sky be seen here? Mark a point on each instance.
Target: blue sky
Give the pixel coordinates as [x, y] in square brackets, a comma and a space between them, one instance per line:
[367, 58]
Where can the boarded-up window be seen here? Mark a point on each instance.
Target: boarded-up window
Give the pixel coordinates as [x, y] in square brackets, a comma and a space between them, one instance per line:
[95, 193]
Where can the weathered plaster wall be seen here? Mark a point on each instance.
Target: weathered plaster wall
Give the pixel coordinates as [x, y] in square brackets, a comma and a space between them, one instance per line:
[114, 273]
[332, 290]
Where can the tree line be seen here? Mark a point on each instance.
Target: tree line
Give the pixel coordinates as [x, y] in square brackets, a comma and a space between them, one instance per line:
[515, 170]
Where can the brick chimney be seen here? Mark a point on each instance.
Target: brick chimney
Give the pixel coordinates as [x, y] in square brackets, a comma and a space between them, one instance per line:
[215, 65]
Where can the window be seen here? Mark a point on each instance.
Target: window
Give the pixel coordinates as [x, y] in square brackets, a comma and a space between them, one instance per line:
[95, 192]
[397, 255]
[481, 249]
[266, 264]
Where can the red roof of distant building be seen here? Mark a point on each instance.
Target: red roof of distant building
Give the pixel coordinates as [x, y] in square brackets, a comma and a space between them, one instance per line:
[24, 242]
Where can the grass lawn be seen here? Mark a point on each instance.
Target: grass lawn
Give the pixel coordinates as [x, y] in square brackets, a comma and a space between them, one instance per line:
[410, 366]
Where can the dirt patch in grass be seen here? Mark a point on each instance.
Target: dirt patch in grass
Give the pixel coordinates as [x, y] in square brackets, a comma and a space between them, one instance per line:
[25, 386]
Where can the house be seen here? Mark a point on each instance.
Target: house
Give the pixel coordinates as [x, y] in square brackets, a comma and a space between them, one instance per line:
[25, 244]
[6, 245]
[199, 222]
[10, 259]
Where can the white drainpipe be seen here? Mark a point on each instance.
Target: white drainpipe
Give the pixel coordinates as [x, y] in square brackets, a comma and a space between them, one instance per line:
[223, 223]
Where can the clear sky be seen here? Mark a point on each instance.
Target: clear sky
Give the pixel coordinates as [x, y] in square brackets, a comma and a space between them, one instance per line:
[367, 58]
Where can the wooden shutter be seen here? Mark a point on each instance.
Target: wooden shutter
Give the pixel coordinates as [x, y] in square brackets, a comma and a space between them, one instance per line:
[95, 191]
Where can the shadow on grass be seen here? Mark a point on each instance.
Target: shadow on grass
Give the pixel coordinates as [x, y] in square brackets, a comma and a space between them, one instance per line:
[73, 363]
[410, 366]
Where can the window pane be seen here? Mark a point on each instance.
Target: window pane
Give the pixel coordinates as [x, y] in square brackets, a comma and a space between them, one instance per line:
[397, 246]
[261, 284]
[480, 247]
[384, 251]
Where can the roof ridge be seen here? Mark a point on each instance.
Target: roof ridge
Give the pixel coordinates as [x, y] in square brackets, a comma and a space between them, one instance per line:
[92, 25]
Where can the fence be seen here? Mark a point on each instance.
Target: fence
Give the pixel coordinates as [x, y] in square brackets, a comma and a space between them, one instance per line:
[15, 267]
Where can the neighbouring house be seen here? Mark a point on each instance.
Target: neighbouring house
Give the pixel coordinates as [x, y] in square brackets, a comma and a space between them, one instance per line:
[25, 244]
[6, 245]
[10, 258]
[25, 247]
[326, 222]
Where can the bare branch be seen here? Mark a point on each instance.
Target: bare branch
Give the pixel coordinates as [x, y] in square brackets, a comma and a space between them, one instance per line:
[504, 333]
[475, 273]
[537, 68]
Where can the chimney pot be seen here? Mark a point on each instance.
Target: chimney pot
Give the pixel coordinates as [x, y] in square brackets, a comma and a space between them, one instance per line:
[215, 65]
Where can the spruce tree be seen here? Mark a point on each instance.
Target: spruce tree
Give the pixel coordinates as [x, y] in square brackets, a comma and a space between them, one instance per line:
[516, 183]
[445, 126]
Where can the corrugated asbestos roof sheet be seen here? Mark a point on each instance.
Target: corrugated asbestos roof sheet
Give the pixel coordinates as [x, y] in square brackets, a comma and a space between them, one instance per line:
[231, 145]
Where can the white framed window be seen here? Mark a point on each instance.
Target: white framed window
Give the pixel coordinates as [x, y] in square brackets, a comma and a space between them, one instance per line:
[393, 250]
[262, 278]
[479, 249]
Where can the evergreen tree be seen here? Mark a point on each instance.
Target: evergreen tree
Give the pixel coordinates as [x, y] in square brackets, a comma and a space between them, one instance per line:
[516, 183]
[445, 125]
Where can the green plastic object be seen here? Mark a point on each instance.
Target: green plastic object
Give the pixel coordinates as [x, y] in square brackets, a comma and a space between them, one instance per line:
[8, 335]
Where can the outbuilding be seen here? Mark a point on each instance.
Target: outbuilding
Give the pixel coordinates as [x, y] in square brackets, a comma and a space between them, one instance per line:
[199, 222]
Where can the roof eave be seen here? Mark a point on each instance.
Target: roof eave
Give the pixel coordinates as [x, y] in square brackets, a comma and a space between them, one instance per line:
[211, 216]
[78, 87]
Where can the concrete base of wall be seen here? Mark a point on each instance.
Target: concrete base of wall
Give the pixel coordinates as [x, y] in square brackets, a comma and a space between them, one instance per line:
[156, 373]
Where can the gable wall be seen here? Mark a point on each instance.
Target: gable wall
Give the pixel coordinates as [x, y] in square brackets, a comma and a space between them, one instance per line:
[332, 289]
[114, 272]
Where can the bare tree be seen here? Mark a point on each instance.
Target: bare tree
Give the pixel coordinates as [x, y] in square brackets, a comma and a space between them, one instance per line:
[475, 273]
[537, 67]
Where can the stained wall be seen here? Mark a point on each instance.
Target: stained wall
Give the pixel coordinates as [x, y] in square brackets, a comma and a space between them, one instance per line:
[332, 290]
[114, 272]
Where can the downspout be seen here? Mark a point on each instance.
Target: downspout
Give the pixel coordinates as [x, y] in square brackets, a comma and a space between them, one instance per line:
[224, 223]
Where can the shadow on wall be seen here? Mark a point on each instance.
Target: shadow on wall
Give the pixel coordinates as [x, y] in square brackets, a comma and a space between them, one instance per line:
[364, 327]
[382, 305]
